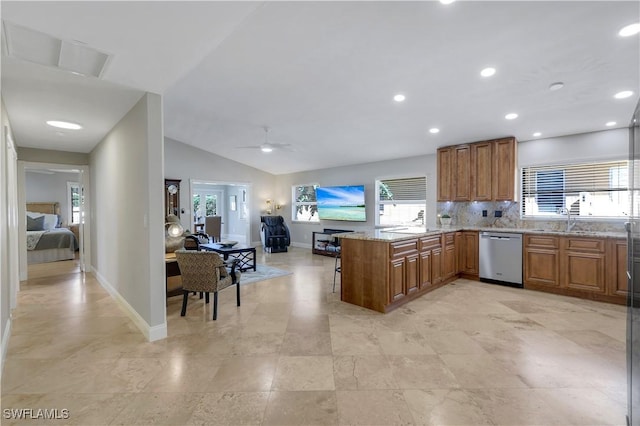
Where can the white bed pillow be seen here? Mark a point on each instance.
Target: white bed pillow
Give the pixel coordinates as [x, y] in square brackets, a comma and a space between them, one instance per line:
[34, 215]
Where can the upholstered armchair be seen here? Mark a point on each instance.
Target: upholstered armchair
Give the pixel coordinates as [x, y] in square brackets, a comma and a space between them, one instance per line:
[275, 234]
[205, 271]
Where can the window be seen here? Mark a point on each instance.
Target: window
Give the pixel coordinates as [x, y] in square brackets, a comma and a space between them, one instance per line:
[304, 207]
[401, 201]
[73, 202]
[596, 189]
[210, 207]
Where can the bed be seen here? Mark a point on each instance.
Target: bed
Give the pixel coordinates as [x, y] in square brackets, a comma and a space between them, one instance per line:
[48, 242]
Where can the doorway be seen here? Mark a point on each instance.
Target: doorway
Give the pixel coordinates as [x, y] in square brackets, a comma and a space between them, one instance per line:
[229, 200]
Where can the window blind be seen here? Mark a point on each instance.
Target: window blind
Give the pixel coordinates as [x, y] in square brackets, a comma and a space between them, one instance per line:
[407, 189]
[598, 189]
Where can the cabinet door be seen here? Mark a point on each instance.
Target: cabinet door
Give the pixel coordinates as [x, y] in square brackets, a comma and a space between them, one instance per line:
[412, 274]
[462, 173]
[449, 261]
[541, 267]
[481, 175]
[425, 269]
[436, 265]
[397, 272]
[504, 169]
[584, 271]
[445, 170]
[469, 250]
[618, 284]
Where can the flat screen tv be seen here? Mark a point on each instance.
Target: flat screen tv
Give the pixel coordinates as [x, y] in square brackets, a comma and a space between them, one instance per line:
[341, 203]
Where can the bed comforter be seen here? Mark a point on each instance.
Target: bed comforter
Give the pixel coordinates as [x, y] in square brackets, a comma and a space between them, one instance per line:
[54, 238]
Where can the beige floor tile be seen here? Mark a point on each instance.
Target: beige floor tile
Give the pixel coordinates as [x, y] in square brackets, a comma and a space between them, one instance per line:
[245, 374]
[444, 407]
[158, 409]
[301, 408]
[373, 407]
[304, 373]
[583, 406]
[305, 343]
[355, 343]
[421, 372]
[401, 343]
[480, 371]
[254, 343]
[452, 342]
[185, 374]
[364, 372]
[230, 408]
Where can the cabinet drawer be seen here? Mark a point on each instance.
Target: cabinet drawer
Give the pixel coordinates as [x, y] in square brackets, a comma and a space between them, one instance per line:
[585, 244]
[402, 248]
[449, 239]
[542, 241]
[427, 243]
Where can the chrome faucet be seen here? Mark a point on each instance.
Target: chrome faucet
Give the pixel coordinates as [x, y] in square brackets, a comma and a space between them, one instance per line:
[566, 211]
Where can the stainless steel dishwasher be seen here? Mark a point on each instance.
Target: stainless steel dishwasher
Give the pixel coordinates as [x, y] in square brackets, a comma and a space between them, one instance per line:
[500, 256]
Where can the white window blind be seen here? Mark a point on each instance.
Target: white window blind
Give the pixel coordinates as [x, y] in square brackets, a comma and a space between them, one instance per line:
[594, 189]
[401, 201]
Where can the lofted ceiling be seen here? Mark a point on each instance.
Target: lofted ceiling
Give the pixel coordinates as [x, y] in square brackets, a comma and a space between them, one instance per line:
[322, 75]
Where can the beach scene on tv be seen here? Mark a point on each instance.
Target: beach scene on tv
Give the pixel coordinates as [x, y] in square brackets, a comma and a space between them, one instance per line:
[341, 203]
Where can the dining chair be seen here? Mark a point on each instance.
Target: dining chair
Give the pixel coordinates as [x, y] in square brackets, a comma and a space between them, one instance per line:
[205, 271]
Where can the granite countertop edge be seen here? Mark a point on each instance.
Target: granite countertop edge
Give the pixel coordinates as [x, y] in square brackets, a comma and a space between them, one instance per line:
[391, 236]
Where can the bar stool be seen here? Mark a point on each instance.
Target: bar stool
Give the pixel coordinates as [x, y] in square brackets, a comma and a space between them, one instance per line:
[337, 268]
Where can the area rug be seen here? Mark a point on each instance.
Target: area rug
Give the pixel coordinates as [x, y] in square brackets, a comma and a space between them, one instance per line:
[263, 272]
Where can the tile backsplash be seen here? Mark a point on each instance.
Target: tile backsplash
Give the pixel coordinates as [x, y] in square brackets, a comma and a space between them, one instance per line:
[470, 214]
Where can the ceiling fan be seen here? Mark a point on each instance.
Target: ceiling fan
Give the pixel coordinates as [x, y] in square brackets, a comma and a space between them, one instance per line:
[267, 146]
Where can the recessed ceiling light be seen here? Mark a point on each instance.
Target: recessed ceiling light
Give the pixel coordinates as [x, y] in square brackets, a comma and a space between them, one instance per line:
[556, 86]
[64, 125]
[630, 30]
[434, 130]
[536, 134]
[623, 94]
[488, 72]
[447, 1]
[610, 123]
[399, 98]
[511, 116]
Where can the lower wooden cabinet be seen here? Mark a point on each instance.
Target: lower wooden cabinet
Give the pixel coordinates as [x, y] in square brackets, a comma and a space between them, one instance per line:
[541, 261]
[587, 267]
[449, 262]
[468, 253]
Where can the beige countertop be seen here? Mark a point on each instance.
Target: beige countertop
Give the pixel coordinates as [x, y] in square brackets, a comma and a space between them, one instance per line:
[407, 233]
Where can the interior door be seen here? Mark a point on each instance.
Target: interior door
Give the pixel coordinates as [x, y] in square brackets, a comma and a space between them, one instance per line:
[633, 273]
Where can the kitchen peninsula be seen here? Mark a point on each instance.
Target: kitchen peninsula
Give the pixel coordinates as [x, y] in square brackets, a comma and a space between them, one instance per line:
[386, 268]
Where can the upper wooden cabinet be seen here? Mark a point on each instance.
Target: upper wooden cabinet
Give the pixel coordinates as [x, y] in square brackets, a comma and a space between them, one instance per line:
[481, 171]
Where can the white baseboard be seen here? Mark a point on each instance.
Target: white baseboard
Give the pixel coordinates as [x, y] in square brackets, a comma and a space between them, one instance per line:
[156, 332]
[5, 343]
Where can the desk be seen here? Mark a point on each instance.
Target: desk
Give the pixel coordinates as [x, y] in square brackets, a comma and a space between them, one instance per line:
[245, 254]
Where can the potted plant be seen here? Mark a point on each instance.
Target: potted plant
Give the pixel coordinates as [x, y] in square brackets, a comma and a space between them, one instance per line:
[445, 220]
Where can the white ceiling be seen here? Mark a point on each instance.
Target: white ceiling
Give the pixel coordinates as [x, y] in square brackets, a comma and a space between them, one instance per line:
[322, 75]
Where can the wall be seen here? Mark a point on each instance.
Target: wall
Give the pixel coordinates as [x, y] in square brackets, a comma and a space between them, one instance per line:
[355, 175]
[50, 187]
[8, 231]
[50, 156]
[186, 162]
[127, 215]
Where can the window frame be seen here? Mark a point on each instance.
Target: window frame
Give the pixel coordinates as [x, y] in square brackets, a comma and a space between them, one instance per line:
[70, 186]
[295, 204]
[570, 188]
[379, 202]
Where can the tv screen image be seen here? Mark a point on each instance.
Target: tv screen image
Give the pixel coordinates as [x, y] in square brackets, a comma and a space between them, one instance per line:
[341, 203]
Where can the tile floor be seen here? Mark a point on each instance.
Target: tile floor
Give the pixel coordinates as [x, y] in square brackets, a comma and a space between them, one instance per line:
[293, 354]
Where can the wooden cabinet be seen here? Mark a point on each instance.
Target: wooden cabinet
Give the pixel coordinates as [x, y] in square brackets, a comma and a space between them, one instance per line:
[449, 264]
[481, 168]
[382, 275]
[468, 253]
[481, 171]
[617, 280]
[445, 170]
[504, 169]
[582, 264]
[461, 173]
[586, 267]
[541, 261]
